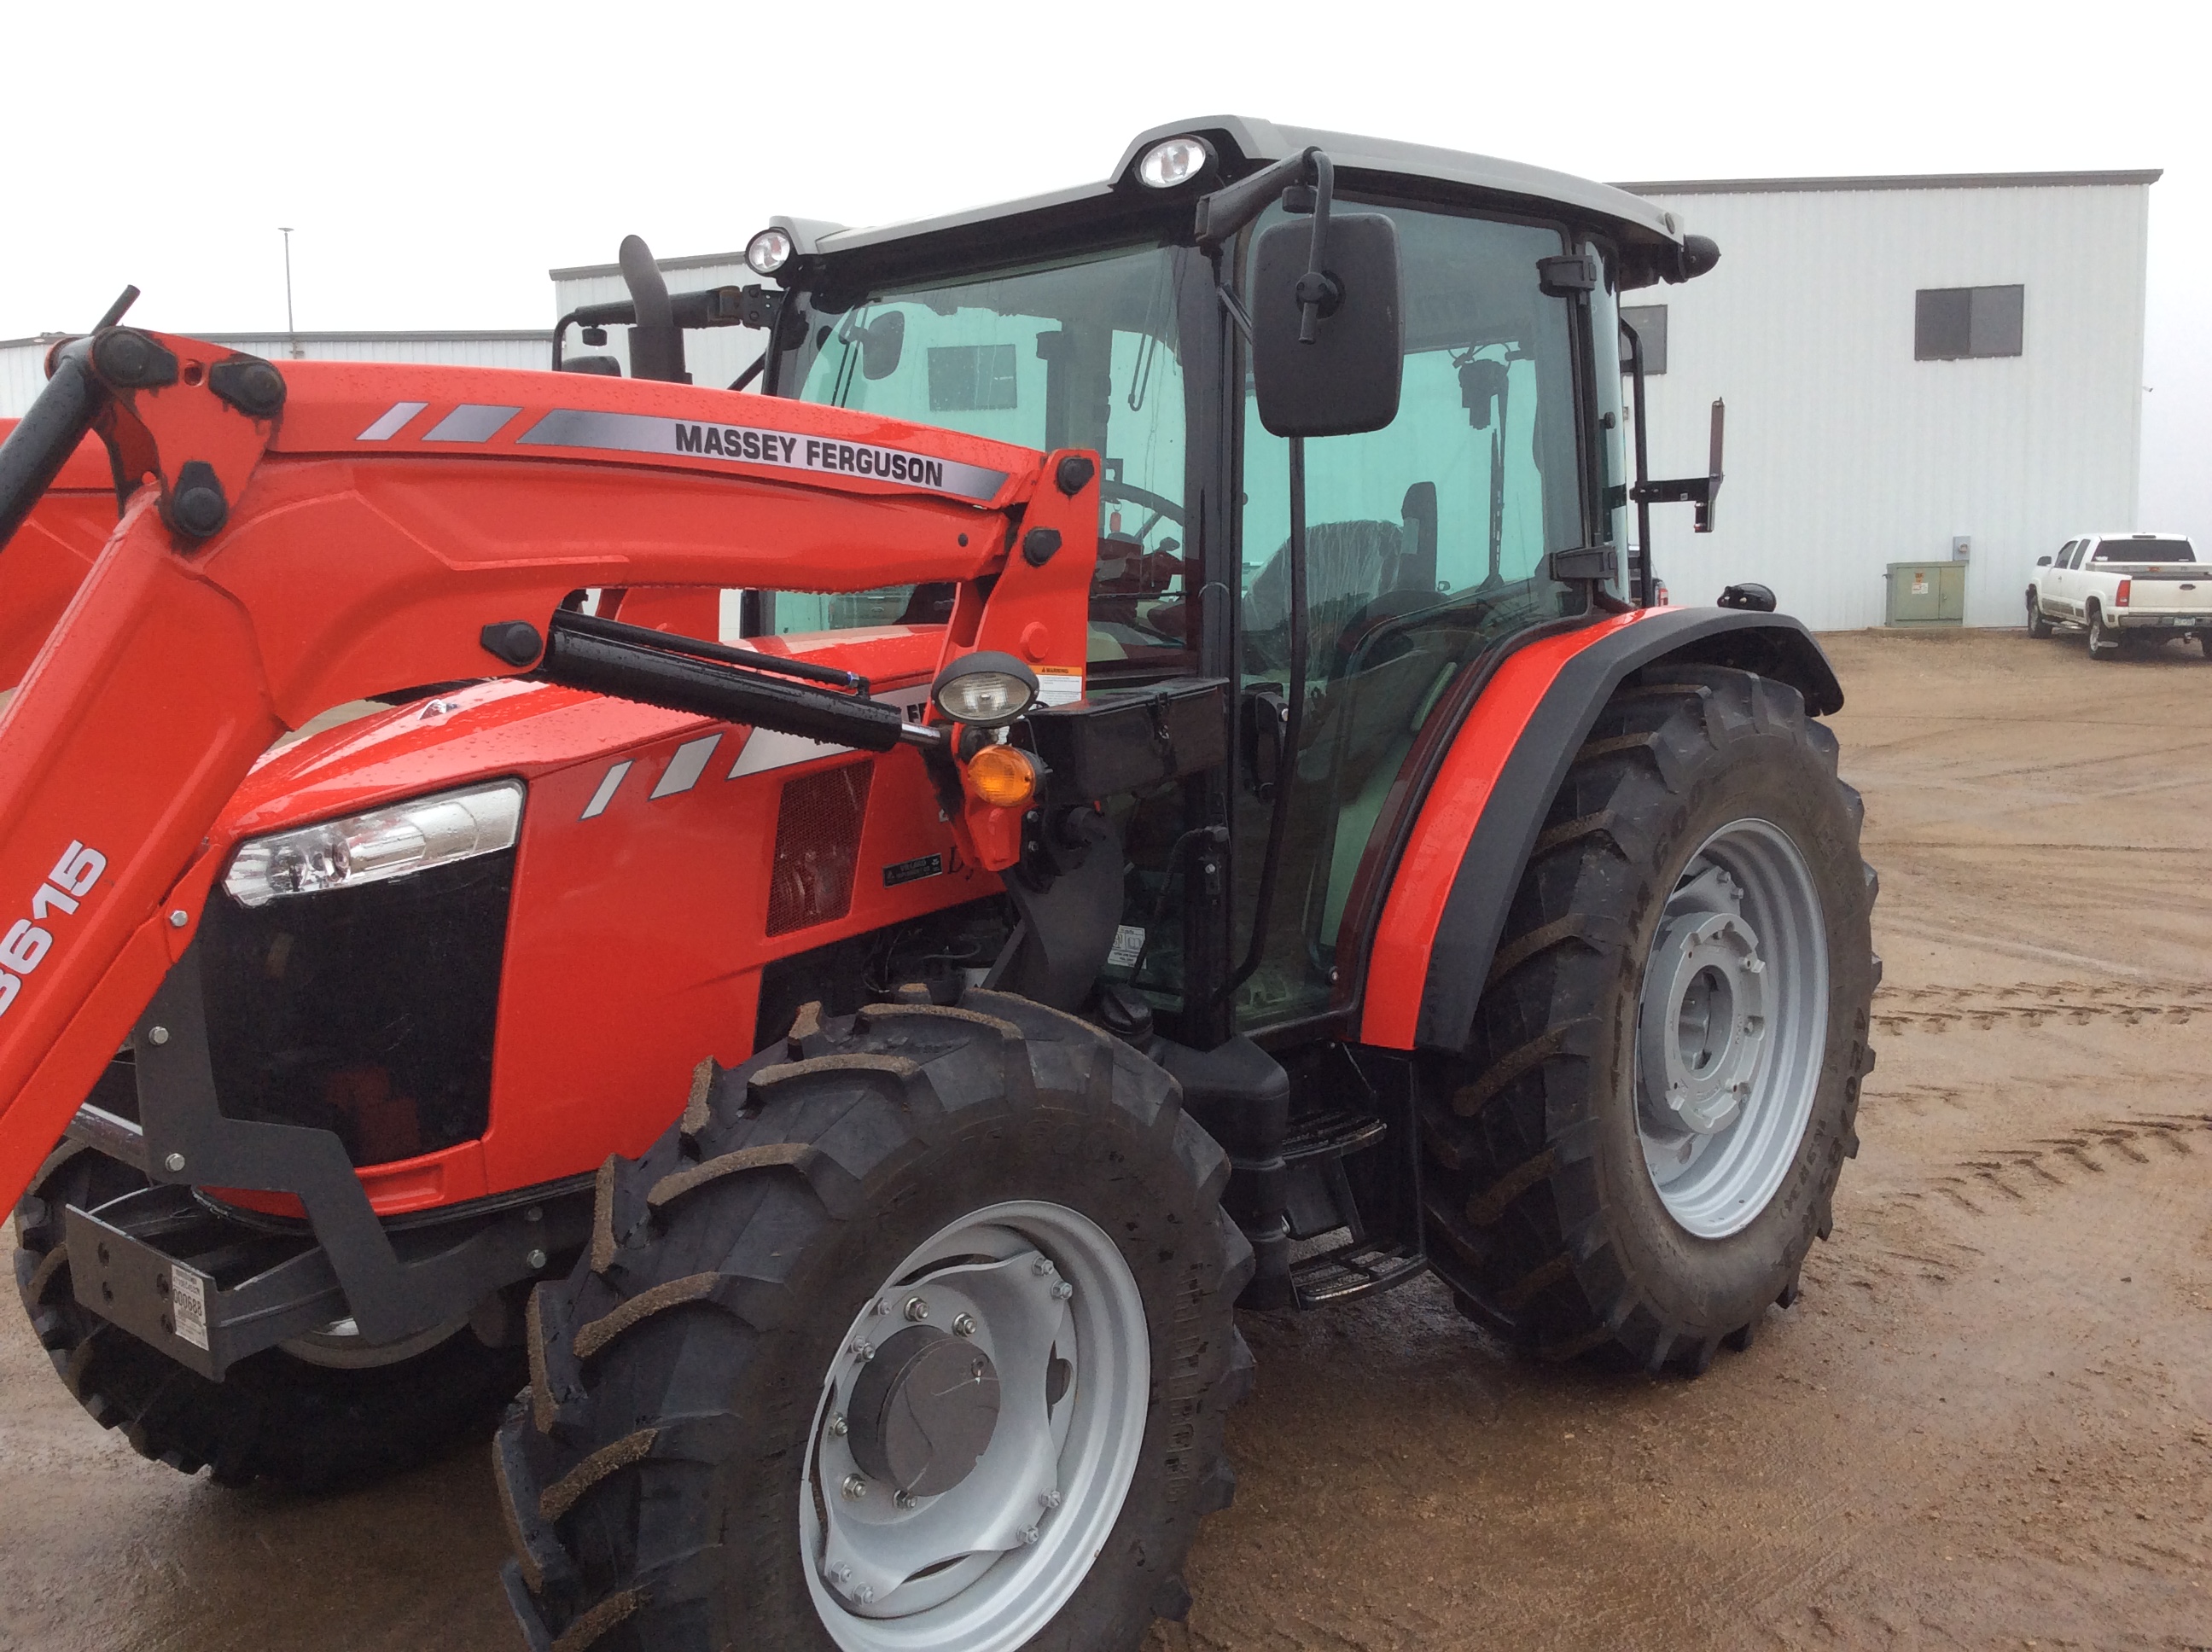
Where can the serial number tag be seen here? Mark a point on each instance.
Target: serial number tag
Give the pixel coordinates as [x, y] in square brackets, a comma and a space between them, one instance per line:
[188, 1306]
[907, 872]
[1128, 946]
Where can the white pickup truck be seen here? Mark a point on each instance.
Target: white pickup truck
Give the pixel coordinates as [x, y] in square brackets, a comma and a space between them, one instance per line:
[2125, 590]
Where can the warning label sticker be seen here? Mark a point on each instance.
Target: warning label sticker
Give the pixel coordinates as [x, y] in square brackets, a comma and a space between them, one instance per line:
[188, 1306]
[1058, 685]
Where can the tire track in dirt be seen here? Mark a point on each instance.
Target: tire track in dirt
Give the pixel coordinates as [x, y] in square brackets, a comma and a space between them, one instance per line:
[2022, 1174]
[1990, 1008]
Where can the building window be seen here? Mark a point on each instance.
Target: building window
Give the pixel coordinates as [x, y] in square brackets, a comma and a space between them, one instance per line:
[1649, 321]
[1951, 322]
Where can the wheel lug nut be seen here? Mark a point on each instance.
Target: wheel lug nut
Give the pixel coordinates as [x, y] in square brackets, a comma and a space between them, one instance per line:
[916, 1310]
[863, 1348]
[963, 1325]
[1029, 1535]
[855, 1487]
[1049, 1498]
[1043, 1266]
[841, 1574]
[865, 1594]
[1061, 1290]
[904, 1499]
[837, 1426]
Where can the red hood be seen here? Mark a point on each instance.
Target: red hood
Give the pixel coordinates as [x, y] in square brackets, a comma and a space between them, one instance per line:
[508, 726]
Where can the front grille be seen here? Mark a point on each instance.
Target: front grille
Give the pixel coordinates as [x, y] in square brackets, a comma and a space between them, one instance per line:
[368, 1012]
[818, 842]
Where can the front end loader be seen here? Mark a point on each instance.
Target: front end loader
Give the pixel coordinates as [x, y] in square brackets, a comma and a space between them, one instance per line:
[850, 1076]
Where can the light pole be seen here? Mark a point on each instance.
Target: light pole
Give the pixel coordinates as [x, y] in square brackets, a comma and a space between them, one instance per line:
[291, 329]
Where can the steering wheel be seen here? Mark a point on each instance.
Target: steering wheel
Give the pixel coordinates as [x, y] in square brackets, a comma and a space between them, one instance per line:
[1158, 504]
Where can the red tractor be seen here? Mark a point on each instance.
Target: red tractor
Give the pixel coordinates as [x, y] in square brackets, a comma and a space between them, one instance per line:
[1268, 852]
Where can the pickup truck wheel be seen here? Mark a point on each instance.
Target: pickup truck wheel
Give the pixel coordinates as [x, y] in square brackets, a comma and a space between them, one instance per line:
[914, 1335]
[2104, 642]
[2038, 626]
[308, 1425]
[1663, 1079]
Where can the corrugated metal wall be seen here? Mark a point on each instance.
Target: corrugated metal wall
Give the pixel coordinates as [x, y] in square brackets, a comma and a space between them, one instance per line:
[1843, 453]
[23, 371]
[714, 355]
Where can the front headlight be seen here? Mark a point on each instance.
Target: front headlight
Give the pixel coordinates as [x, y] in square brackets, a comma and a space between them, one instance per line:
[986, 689]
[379, 845]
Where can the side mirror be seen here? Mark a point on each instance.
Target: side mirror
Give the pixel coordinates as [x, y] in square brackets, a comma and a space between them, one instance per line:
[1756, 597]
[2042, 562]
[1328, 327]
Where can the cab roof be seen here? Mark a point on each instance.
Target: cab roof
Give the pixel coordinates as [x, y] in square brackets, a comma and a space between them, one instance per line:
[1243, 145]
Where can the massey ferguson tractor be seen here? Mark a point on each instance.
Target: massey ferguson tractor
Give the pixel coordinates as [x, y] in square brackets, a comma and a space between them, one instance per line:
[850, 1076]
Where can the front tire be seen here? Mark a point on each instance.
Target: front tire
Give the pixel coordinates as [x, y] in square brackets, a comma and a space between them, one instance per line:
[2039, 626]
[304, 1425]
[700, 1463]
[1662, 1077]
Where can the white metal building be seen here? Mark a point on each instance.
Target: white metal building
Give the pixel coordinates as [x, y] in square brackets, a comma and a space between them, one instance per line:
[1908, 362]
[23, 361]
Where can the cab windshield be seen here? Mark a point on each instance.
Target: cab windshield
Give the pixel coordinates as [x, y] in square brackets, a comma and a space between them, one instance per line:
[1075, 353]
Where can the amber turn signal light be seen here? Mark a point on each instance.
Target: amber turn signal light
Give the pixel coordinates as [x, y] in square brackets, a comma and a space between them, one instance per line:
[1004, 777]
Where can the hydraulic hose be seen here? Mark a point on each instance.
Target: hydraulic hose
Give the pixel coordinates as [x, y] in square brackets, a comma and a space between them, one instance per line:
[35, 451]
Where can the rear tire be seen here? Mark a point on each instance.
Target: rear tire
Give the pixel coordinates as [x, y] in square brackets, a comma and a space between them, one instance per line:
[273, 1417]
[1545, 1205]
[678, 1435]
[2039, 626]
[2104, 642]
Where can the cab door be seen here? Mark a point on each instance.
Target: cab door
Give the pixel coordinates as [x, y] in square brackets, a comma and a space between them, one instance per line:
[1427, 544]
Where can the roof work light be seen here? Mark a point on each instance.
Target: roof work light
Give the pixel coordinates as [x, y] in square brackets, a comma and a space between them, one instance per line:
[1176, 161]
[767, 251]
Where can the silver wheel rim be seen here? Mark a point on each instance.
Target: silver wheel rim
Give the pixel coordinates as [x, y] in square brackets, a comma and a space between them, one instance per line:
[1732, 1025]
[1042, 1293]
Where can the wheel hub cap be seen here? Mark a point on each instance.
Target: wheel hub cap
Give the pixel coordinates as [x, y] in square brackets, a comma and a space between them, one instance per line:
[923, 1411]
[1704, 1020]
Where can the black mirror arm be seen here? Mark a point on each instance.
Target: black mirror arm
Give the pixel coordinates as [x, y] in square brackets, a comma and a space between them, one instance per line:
[1221, 214]
[1318, 292]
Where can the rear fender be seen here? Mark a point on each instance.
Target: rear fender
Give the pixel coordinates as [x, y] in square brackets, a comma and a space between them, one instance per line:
[1480, 819]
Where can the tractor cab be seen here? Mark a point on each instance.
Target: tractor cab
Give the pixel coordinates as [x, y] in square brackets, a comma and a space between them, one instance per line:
[1489, 504]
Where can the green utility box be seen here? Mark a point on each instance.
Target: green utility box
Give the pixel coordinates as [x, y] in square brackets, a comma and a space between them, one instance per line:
[1927, 593]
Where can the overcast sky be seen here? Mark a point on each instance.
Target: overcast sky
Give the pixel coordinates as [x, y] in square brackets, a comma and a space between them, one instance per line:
[435, 160]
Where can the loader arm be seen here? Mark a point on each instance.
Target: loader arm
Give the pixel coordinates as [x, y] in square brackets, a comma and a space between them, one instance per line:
[302, 539]
[52, 553]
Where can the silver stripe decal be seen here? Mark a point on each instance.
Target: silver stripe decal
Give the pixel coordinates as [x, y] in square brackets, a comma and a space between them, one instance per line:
[766, 747]
[470, 422]
[686, 766]
[395, 418]
[606, 795]
[751, 445]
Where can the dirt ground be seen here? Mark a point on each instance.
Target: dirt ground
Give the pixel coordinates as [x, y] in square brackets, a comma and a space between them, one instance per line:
[1987, 1422]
